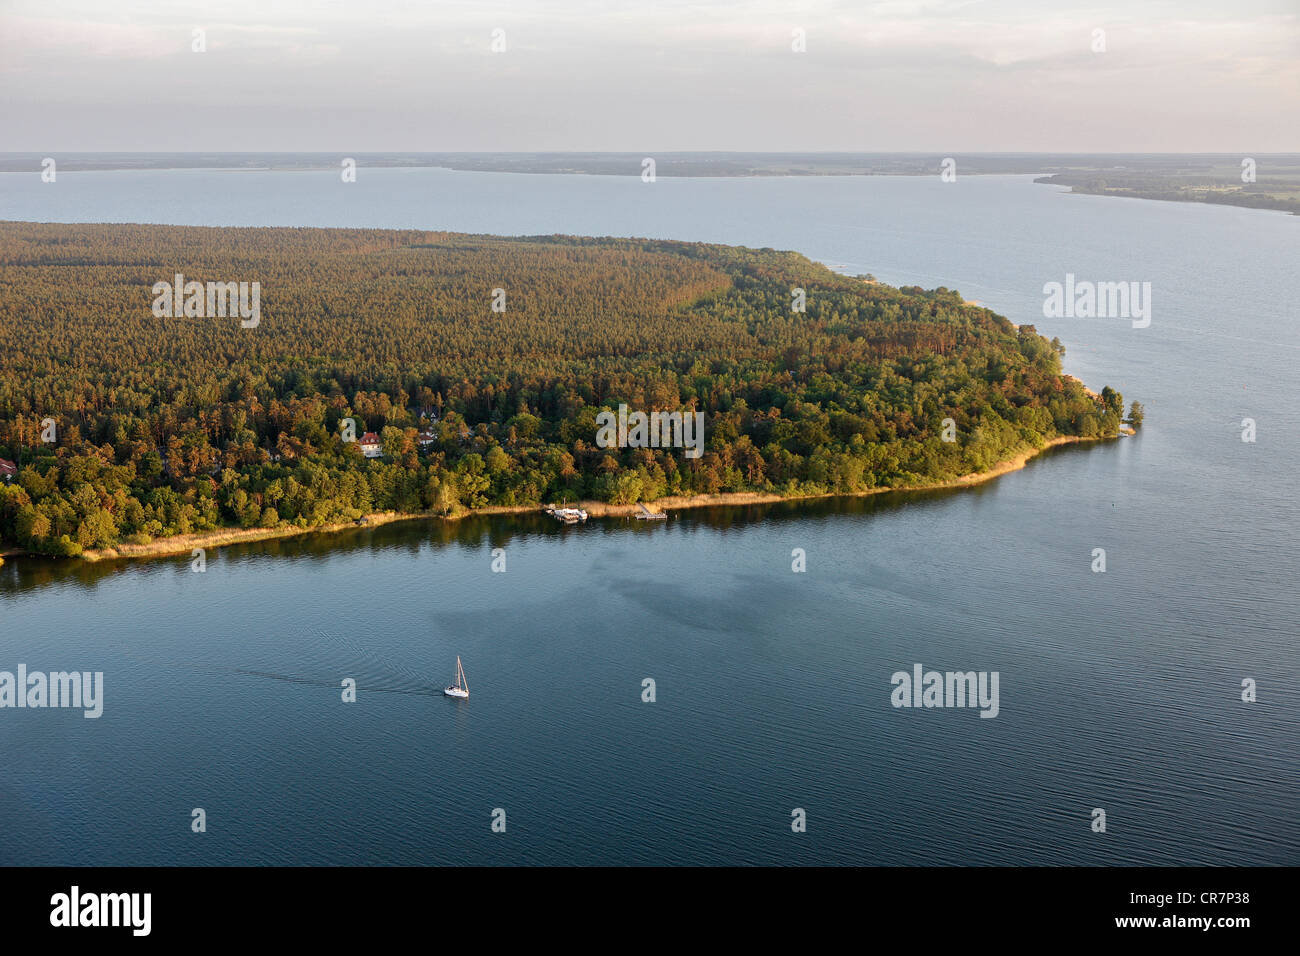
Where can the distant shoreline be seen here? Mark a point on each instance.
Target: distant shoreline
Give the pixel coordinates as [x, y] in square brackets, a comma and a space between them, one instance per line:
[1202, 178]
[667, 173]
[180, 544]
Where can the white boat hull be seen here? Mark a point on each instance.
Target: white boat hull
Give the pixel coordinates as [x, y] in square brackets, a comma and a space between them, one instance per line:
[459, 689]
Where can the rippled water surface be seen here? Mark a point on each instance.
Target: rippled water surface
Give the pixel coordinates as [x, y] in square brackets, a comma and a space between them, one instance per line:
[1118, 690]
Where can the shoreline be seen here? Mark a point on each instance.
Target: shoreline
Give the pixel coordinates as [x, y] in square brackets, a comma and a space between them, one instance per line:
[179, 544]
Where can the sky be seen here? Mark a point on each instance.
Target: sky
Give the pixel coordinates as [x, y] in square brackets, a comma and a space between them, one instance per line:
[616, 75]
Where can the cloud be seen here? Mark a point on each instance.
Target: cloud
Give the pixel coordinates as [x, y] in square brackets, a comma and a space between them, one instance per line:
[611, 74]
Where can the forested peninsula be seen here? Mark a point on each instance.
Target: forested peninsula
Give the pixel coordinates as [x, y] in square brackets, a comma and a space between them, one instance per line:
[434, 373]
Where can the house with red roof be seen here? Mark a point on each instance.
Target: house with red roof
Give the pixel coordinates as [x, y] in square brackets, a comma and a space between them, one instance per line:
[8, 470]
[370, 445]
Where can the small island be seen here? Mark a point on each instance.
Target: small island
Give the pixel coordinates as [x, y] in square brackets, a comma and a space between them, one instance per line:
[391, 374]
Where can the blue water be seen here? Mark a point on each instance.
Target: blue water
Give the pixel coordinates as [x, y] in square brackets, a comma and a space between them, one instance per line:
[1118, 691]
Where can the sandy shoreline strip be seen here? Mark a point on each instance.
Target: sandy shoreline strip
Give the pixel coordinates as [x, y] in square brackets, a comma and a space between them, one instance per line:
[181, 544]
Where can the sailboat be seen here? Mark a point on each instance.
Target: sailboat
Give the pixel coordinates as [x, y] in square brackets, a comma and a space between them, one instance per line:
[461, 687]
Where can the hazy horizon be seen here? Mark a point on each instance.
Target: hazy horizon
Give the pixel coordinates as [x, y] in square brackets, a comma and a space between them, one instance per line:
[395, 152]
[576, 76]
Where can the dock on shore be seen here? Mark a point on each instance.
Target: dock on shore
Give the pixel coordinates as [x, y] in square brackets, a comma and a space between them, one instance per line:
[645, 514]
[567, 515]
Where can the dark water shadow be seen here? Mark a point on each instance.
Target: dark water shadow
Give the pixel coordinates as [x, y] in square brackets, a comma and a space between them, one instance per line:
[477, 532]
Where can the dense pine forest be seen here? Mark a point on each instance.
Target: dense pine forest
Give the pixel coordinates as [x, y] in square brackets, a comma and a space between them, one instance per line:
[126, 426]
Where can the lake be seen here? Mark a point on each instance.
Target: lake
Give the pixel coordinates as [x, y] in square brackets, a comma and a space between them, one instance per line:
[1119, 690]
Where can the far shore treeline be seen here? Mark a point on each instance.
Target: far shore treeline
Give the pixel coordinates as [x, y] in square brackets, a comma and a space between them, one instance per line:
[181, 425]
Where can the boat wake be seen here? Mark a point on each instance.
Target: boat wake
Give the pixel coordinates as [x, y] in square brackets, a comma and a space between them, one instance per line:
[344, 658]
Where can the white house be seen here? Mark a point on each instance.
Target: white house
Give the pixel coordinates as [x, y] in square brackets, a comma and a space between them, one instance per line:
[370, 445]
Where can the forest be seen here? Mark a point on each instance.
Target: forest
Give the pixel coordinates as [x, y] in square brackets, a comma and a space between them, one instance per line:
[126, 427]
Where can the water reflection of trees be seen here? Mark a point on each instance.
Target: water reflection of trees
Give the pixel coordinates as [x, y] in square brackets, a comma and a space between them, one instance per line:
[476, 532]
[481, 532]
